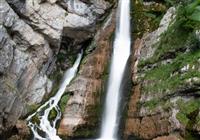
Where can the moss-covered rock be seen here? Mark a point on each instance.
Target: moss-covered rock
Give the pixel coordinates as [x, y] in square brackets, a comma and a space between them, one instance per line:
[146, 16]
[166, 79]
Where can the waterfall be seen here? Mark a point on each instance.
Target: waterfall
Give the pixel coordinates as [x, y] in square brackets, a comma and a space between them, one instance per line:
[121, 52]
[48, 128]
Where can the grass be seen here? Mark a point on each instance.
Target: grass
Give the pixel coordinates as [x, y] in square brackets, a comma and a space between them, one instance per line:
[179, 35]
[186, 112]
[168, 77]
[151, 104]
[63, 102]
[172, 45]
[145, 19]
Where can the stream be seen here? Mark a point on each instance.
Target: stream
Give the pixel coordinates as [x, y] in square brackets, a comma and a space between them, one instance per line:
[46, 129]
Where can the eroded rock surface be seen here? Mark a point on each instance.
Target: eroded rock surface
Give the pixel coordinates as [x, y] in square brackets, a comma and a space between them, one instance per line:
[81, 116]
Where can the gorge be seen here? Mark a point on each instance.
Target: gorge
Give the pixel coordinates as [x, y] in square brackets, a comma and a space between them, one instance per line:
[99, 69]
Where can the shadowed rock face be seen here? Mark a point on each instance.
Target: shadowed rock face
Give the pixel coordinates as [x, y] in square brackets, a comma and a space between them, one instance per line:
[30, 36]
[81, 116]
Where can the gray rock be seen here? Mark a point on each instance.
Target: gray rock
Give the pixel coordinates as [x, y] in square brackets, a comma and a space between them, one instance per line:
[23, 54]
[40, 86]
[152, 38]
[6, 50]
[50, 18]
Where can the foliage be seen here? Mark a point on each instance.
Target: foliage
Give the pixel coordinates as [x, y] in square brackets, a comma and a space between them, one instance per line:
[192, 15]
[63, 102]
[187, 108]
[145, 18]
[180, 46]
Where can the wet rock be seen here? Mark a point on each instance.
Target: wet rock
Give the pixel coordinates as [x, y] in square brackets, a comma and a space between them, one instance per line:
[81, 116]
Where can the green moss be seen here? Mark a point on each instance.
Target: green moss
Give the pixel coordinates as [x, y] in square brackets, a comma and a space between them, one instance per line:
[167, 77]
[154, 103]
[151, 104]
[35, 119]
[179, 35]
[145, 18]
[188, 111]
[52, 114]
[63, 102]
[188, 107]
[182, 118]
[32, 108]
[176, 40]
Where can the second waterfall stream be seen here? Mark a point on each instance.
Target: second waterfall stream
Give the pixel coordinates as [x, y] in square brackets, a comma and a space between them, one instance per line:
[121, 52]
[48, 128]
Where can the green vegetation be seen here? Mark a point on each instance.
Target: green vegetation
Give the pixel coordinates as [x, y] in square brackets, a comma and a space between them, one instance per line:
[151, 104]
[52, 114]
[179, 35]
[180, 46]
[173, 45]
[63, 102]
[188, 112]
[32, 108]
[145, 18]
[168, 77]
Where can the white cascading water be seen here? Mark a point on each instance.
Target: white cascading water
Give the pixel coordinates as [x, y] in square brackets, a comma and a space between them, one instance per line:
[120, 56]
[47, 127]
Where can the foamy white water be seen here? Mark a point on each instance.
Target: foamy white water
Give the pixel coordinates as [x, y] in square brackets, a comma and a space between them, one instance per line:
[46, 126]
[120, 56]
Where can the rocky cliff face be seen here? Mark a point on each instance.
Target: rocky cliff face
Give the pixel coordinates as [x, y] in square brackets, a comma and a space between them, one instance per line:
[165, 73]
[31, 34]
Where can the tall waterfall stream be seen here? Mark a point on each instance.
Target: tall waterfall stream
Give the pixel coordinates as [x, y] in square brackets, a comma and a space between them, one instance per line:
[120, 56]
